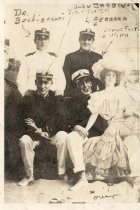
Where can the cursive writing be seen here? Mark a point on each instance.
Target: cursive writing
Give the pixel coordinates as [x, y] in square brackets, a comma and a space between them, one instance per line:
[105, 196]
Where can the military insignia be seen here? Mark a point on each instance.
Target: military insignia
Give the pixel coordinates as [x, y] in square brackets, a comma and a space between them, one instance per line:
[32, 53]
[53, 54]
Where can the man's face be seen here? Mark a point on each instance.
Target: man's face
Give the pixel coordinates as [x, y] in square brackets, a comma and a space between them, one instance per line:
[85, 85]
[41, 42]
[43, 85]
[86, 42]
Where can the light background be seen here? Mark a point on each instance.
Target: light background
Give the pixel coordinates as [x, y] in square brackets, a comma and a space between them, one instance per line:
[21, 45]
[65, 32]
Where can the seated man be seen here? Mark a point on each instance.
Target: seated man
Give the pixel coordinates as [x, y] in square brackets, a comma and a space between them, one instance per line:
[39, 111]
[76, 119]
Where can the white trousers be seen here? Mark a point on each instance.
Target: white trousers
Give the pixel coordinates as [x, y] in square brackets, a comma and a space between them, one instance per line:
[71, 143]
[80, 150]
[27, 146]
[75, 147]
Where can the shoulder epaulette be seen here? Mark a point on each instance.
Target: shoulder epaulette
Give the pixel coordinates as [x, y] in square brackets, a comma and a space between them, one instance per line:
[29, 54]
[53, 54]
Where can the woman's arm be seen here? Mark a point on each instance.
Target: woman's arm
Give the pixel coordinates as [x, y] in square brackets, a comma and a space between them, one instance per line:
[84, 131]
[91, 121]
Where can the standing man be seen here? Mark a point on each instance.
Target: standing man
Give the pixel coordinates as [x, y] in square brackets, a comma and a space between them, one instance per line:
[41, 122]
[83, 58]
[36, 61]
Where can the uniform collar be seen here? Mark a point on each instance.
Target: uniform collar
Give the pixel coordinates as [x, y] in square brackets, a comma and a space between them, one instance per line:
[84, 51]
[42, 52]
[45, 96]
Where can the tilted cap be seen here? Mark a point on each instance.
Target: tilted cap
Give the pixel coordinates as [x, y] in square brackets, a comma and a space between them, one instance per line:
[80, 74]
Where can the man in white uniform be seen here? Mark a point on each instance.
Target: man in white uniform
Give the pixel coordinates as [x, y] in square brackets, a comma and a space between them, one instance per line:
[36, 61]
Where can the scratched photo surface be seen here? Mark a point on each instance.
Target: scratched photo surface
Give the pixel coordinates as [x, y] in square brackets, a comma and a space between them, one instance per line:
[72, 160]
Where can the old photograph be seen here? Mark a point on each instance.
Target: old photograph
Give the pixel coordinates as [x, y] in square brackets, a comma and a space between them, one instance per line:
[71, 103]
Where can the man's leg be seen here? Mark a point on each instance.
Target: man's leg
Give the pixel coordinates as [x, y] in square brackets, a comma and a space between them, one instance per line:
[27, 146]
[75, 148]
[59, 140]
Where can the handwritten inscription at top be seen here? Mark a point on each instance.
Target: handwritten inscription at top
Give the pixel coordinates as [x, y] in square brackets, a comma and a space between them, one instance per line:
[102, 13]
[98, 8]
[22, 16]
[98, 5]
[120, 32]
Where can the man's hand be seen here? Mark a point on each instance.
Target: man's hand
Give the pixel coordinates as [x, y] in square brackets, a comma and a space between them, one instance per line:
[59, 93]
[28, 93]
[30, 122]
[43, 135]
[82, 131]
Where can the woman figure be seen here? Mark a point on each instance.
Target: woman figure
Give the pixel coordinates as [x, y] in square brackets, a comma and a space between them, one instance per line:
[114, 104]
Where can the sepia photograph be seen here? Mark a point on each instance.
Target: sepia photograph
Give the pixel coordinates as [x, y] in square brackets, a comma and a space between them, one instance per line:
[71, 103]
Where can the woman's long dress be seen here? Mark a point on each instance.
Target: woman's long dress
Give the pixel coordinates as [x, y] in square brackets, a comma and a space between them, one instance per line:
[109, 154]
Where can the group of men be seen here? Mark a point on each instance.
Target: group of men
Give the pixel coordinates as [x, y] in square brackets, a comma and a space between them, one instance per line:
[54, 114]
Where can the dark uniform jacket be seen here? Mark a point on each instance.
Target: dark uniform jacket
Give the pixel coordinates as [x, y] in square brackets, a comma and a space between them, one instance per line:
[43, 110]
[80, 60]
[77, 113]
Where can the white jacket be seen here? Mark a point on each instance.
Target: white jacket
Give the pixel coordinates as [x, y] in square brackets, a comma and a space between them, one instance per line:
[38, 62]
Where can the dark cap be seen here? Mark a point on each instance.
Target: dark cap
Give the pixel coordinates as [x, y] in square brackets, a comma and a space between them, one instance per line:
[76, 76]
[44, 75]
[87, 31]
[42, 32]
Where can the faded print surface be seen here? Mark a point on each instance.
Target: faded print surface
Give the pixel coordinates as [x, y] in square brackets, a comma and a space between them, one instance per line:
[116, 27]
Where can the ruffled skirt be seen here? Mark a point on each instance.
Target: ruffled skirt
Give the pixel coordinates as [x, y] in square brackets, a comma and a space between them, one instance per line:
[107, 155]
